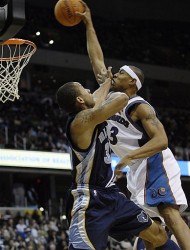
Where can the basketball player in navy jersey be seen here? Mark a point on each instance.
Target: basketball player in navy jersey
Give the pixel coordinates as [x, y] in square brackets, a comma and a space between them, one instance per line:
[139, 139]
[95, 204]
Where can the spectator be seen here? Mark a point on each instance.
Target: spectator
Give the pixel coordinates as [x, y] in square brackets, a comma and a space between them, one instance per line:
[21, 228]
[19, 194]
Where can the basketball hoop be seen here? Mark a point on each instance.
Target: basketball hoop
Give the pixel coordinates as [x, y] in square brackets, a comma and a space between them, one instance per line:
[14, 56]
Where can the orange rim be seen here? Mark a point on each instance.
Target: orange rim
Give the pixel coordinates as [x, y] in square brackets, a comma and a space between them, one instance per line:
[18, 41]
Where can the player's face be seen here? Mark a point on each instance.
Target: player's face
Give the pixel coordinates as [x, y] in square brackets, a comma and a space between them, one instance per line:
[86, 96]
[121, 81]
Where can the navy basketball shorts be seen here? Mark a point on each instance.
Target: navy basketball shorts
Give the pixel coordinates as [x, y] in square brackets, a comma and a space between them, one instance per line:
[98, 213]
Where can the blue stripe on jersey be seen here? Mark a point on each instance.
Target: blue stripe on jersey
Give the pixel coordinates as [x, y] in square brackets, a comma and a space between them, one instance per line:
[157, 188]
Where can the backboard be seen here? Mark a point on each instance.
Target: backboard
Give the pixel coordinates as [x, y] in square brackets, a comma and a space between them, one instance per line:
[12, 18]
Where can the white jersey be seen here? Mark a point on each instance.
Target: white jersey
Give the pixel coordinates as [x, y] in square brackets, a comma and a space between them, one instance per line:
[124, 134]
[153, 180]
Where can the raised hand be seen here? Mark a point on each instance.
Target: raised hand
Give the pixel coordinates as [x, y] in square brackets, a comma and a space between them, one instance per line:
[86, 15]
[104, 74]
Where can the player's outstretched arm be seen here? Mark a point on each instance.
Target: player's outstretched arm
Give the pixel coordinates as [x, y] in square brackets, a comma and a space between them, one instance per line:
[93, 46]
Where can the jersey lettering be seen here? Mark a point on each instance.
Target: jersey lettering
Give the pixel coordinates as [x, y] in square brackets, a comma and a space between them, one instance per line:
[120, 120]
[102, 135]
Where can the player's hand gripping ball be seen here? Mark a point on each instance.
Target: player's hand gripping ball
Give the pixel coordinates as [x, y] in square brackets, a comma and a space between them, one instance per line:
[65, 12]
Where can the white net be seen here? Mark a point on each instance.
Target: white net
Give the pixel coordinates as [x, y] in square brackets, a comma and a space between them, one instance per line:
[14, 56]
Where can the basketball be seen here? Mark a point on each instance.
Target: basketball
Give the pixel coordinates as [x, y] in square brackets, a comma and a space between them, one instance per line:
[65, 12]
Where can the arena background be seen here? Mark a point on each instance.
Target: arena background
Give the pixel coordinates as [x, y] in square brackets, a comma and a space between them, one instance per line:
[153, 35]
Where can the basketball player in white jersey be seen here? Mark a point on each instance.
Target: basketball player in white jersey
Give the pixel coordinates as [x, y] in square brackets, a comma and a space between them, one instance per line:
[139, 139]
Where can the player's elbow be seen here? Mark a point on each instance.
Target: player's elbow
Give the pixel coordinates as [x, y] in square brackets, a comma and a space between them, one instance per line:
[164, 146]
[120, 96]
[120, 100]
[124, 99]
[164, 143]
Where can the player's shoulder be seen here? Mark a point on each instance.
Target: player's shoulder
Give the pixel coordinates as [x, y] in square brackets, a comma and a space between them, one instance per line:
[82, 120]
[136, 99]
[134, 102]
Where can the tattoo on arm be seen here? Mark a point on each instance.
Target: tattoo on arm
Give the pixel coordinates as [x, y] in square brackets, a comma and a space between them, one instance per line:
[86, 117]
[152, 118]
[89, 117]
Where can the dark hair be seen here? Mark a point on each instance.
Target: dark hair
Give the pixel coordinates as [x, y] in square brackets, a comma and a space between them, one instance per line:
[138, 72]
[66, 97]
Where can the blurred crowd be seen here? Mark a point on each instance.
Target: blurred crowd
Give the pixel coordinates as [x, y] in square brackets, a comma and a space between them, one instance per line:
[34, 231]
[36, 119]
[177, 126]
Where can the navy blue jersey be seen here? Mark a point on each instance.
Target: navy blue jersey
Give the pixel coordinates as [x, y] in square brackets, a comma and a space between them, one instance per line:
[95, 207]
[92, 167]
